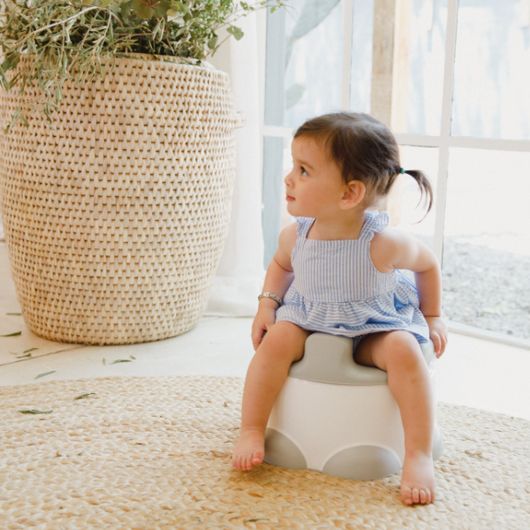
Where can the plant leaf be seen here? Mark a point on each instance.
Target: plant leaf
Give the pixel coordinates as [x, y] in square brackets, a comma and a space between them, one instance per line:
[212, 42]
[313, 13]
[126, 9]
[83, 396]
[236, 32]
[45, 373]
[161, 8]
[33, 411]
[293, 95]
[142, 10]
[12, 334]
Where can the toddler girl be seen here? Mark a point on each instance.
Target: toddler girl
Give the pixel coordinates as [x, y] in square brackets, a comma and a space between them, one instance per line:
[336, 269]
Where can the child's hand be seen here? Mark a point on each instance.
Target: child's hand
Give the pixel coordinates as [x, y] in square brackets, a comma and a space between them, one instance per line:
[438, 332]
[263, 321]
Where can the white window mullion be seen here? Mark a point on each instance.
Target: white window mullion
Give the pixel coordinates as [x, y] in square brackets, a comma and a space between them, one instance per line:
[347, 37]
[492, 144]
[445, 131]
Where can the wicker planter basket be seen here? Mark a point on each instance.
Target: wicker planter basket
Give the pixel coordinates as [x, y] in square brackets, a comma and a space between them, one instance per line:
[115, 222]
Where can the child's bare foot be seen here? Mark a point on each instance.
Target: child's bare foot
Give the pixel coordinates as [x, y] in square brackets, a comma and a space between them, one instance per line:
[418, 483]
[249, 450]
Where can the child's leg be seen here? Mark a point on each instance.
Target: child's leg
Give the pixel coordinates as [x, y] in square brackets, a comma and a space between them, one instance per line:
[399, 354]
[283, 344]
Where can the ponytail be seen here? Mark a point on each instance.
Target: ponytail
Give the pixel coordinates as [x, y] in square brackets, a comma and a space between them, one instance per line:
[425, 187]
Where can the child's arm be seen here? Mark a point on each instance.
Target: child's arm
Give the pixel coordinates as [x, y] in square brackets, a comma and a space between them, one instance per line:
[277, 280]
[392, 249]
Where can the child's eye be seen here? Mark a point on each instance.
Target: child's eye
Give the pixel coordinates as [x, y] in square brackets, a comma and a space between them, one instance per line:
[303, 171]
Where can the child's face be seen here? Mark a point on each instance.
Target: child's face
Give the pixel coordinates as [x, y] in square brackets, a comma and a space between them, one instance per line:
[314, 187]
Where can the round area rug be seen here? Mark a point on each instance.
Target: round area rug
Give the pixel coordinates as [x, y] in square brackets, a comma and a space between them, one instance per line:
[155, 453]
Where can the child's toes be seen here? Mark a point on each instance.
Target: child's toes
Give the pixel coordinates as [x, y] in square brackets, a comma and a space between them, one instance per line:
[257, 458]
[415, 495]
[425, 496]
[406, 495]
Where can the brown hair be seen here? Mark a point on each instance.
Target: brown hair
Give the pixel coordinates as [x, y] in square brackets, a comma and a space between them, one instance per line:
[365, 150]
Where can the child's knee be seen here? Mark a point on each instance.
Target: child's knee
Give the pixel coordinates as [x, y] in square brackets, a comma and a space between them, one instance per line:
[285, 336]
[403, 348]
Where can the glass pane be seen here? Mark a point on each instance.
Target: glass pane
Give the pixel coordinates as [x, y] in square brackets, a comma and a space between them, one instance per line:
[313, 73]
[406, 195]
[286, 218]
[486, 262]
[362, 52]
[418, 63]
[492, 70]
[427, 56]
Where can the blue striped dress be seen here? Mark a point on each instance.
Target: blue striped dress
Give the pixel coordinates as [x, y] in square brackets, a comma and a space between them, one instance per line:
[338, 290]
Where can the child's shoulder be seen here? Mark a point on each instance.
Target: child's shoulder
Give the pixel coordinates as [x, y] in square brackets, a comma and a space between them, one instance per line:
[391, 247]
[288, 237]
[383, 248]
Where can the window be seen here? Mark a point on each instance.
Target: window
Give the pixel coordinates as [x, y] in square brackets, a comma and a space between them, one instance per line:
[451, 77]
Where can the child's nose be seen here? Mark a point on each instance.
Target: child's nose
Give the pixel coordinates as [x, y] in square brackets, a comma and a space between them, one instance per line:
[289, 179]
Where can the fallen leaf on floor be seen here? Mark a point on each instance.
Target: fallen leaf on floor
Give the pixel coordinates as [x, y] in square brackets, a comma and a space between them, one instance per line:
[45, 373]
[12, 334]
[83, 396]
[24, 356]
[15, 314]
[121, 361]
[133, 357]
[104, 362]
[31, 349]
[32, 411]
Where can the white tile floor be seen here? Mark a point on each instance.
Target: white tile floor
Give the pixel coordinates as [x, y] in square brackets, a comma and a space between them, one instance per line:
[472, 372]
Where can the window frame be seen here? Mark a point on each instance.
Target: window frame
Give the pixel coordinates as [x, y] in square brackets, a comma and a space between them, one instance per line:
[443, 142]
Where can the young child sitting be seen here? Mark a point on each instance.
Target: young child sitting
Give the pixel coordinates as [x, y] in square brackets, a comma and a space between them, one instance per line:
[337, 270]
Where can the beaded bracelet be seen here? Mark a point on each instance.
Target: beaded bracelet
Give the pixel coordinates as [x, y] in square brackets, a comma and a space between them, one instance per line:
[275, 297]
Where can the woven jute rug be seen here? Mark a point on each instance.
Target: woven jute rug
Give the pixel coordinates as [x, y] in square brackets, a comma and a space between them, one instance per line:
[155, 453]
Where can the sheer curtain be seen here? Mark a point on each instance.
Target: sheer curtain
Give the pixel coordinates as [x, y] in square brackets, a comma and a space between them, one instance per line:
[240, 274]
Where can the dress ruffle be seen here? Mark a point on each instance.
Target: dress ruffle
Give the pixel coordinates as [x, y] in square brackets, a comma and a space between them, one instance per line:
[390, 311]
[375, 223]
[396, 308]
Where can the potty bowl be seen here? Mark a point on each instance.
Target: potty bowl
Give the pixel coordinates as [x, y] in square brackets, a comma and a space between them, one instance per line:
[338, 417]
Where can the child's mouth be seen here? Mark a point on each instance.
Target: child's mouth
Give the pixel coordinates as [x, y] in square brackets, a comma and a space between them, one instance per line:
[289, 198]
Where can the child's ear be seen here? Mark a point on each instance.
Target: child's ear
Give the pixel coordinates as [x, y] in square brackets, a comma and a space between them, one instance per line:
[353, 194]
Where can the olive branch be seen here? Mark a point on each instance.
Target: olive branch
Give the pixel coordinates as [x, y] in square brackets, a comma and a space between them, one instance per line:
[45, 43]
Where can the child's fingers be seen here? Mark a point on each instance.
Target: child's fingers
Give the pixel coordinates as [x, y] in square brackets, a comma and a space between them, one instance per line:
[257, 336]
[439, 344]
[443, 339]
[437, 341]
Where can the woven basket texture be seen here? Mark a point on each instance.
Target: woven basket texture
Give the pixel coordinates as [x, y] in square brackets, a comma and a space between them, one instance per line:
[116, 221]
[154, 453]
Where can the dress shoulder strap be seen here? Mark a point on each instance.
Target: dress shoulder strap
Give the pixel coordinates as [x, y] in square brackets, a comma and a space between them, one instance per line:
[303, 226]
[374, 222]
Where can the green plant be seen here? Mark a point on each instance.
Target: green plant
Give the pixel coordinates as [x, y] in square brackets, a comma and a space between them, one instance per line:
[79, 39]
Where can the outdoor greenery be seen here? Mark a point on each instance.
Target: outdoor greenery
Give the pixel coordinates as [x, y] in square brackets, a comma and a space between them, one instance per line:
[79, 39]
